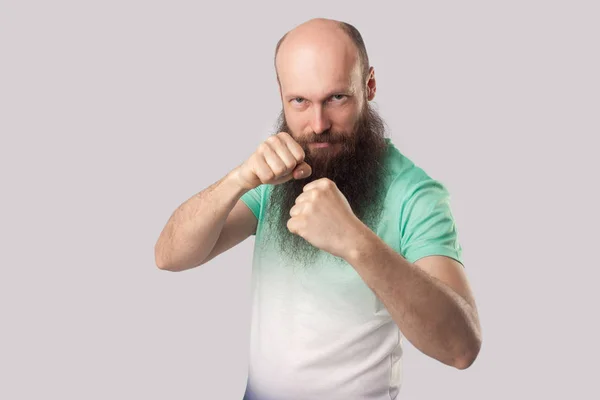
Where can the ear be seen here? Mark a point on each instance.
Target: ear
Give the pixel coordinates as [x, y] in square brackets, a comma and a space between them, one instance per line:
[371, 84]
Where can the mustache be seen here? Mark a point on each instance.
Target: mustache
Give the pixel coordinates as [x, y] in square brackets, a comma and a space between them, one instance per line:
[325, 137]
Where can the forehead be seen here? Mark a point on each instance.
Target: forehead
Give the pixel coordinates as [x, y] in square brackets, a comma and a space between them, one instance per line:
[318, 68]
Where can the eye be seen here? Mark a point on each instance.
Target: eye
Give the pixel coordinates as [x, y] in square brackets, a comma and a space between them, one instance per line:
[338, 97]
[298, 100]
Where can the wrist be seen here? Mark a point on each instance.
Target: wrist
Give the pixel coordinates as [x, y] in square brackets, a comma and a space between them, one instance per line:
[234, 181]
[360, 243]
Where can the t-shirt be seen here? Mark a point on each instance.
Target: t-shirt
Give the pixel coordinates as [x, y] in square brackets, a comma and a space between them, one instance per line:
[322, 333]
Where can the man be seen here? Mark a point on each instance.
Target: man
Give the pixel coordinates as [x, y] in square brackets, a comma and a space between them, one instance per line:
[355, 246]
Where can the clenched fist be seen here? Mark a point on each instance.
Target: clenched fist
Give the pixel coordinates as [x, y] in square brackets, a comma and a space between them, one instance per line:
[324, 218]
[277, 160]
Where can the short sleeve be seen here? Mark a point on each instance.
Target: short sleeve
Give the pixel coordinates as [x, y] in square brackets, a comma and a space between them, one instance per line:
[253, 199]
[427, 226]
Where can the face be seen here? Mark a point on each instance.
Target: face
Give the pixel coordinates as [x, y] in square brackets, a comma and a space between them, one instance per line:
[328, 114]
[322, 93]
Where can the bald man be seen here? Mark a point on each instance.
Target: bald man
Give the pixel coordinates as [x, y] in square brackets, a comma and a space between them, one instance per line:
[356, 247]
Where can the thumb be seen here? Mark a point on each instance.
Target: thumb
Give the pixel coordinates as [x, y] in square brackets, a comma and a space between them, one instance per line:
[303, 170]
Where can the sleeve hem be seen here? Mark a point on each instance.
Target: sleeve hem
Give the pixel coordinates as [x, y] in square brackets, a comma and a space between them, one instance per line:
[255, 212]
[434, 251]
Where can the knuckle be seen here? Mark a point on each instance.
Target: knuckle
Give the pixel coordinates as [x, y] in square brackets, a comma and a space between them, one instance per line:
[267, 176]
[278, 170]
[290, 164]
[263, 147]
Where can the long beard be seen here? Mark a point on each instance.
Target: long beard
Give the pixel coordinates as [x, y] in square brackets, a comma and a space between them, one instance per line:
[357, 170]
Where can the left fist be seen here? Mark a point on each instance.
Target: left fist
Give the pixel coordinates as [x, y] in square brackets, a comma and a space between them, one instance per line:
[324, 218]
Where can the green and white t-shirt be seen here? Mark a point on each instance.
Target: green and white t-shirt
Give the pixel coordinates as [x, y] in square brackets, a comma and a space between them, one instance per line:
[321, 333]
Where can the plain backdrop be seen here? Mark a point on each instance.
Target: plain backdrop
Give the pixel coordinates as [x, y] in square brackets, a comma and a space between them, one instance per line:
[112, 113]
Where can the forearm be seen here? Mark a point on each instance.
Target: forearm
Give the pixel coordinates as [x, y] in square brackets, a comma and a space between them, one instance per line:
[194, 227]
[433, 317]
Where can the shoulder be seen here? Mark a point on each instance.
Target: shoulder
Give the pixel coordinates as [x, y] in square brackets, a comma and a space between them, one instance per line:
[408, 179]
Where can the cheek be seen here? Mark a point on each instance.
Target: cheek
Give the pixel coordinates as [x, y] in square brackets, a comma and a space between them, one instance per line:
[345, 119]
[297, 123]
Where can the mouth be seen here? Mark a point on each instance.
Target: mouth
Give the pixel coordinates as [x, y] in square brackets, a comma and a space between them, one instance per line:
[320, 145]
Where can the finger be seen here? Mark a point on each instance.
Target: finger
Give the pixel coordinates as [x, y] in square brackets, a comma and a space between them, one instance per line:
[282, 150]
[262, 169]
[302, 171]
[292, 225]
[302, 198]
[295, 211]
[274, 161]
[293, 146]
[315, 184]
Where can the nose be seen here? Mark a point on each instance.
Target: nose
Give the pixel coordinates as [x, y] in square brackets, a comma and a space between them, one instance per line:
[320, 121]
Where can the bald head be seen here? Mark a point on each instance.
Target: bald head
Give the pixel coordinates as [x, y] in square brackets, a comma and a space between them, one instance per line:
[321, 36]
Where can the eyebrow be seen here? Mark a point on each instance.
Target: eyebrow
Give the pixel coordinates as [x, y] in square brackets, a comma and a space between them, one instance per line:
[346, 90]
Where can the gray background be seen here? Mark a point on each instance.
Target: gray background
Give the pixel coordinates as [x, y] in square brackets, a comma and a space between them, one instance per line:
[115, 112]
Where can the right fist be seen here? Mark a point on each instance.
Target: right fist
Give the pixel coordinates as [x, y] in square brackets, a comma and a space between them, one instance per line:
[276, 160]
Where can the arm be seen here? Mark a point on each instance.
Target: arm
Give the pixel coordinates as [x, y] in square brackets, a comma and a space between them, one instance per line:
[430, 300]
[206, 225]
[215, 219]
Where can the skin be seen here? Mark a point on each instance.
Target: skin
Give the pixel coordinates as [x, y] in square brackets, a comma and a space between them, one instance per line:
[430, 300]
